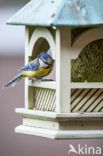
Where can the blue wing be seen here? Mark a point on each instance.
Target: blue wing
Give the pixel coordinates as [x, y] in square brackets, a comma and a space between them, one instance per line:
[34, 65]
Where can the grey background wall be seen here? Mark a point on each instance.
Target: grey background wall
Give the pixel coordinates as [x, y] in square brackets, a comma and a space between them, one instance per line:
[11, 59]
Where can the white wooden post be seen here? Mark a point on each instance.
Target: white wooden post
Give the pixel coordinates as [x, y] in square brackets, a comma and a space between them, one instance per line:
[63, 70]
[26, 61]
[28, 90]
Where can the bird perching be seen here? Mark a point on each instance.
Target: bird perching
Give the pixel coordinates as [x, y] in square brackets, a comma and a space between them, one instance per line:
[38, 68]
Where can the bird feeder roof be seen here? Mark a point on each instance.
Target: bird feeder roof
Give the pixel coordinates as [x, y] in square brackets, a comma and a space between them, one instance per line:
[60, 13]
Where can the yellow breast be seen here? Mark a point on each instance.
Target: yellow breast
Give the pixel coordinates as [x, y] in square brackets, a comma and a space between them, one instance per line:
[41, 72]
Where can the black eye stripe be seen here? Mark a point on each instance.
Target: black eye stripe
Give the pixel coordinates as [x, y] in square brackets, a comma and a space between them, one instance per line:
[49, 64]
[46, 63]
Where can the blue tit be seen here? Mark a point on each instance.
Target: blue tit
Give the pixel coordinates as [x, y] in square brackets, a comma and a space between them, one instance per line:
[38, 68]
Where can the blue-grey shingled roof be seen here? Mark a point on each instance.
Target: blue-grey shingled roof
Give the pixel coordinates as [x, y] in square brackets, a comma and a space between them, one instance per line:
[60, 13]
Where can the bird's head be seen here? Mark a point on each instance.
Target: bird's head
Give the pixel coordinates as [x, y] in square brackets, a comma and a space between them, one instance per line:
[45, 60]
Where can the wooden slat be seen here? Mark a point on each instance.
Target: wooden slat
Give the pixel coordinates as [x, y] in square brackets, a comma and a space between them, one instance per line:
[44, 99]
[87, 100]
[99, 106]
[73, 91]
[76, 94]
[86, 85]
[42, 84]
[91, 102]
[78, 99]
[95, 102]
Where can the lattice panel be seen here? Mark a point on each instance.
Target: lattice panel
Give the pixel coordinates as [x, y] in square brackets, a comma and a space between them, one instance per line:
[87, 100]
[45, 99]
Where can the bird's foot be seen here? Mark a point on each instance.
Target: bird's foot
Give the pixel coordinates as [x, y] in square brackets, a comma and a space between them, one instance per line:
[34, 79]
[43, 79]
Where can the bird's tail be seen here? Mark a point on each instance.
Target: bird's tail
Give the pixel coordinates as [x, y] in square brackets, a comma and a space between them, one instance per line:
[14, 79]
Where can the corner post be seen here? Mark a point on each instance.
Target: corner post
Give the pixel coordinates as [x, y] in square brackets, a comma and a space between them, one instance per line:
[63, 69]
[27, 39]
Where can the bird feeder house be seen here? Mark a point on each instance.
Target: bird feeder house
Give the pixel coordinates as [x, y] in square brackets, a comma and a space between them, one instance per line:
[71, 106]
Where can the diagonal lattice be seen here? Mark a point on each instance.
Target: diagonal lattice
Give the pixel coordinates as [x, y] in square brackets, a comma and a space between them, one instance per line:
[87, 100]
[45, 99]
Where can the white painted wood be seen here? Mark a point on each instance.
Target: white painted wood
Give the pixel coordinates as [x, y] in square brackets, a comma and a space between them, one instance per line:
[32, 113]
[63, 69]
[27, 38]
[86, 85]
[44, 33]
[31, 102]
[75, 95]
[32, 35]
[84, 39]
[43, 98]
[41, 123]
[95, 116]
[42, 84]
[50, 124]
[95, 104]
[100, 105]
[62, 125]
[77, 101]
[27, 113]
[35, 131]
[92, 100]
[85, 103]
[59, 134]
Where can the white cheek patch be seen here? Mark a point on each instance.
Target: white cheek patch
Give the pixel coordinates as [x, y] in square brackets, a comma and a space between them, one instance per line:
[42, 64]
[49, 61]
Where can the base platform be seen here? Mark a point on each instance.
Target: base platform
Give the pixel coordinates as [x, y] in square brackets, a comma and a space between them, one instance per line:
[60, 125]
[59, 134]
